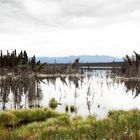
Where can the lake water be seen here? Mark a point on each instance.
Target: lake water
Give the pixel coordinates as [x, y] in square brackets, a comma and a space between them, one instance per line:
[95, 93]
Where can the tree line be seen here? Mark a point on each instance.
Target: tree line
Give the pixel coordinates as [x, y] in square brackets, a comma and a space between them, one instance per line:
[14, 59]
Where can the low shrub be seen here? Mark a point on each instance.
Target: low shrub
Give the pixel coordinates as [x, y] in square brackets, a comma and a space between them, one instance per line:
[53, 103]
[8, 119]
[24, 116]
[3, 133]
[118, 125]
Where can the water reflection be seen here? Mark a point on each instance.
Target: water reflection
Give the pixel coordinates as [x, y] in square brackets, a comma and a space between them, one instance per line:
[133, 86]
[95, 93]
[21, 91]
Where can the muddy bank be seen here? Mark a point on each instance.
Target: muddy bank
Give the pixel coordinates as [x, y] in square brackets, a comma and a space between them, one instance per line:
[58, 75]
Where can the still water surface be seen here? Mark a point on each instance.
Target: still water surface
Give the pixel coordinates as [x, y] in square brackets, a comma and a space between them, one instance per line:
[95, 93]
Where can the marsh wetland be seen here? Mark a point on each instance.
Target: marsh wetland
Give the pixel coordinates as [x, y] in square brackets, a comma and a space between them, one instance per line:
[95, 92]
[68, 101]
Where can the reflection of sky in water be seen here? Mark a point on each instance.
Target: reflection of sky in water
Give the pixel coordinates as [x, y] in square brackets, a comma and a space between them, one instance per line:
[96, 93]
[95, 90]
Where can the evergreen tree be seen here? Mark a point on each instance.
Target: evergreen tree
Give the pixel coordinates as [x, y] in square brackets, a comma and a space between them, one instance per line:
[12, 60]
[137, 59]
[33, 62]
[25, 59]
[1, 59]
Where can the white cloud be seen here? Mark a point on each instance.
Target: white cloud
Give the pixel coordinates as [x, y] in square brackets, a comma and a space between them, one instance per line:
[42, 8]
[66, 27]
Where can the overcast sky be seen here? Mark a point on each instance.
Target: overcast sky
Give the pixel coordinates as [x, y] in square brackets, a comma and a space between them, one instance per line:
[70, 27]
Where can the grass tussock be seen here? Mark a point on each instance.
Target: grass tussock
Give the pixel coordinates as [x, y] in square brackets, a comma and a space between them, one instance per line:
[14, 118]
[119, 125]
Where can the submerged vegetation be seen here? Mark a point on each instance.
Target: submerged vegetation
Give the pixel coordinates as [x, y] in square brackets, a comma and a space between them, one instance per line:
[44, 124]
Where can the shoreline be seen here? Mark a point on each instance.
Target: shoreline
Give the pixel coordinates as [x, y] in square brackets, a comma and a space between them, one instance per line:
[41, 75]
[128, 78]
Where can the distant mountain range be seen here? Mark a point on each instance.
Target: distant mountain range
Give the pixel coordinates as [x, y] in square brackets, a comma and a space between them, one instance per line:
[83, 59]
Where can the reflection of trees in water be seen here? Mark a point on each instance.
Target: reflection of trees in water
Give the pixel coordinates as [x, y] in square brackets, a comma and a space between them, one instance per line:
[129, 85]
[88, 99]
[75, 80]
[16, 86]
[19, 87]
[52, 80]
[34, 93]
[25, 91]
[134, 86]
[4, 91]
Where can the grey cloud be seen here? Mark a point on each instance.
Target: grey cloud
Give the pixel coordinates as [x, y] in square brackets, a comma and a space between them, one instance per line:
[100, 11]
[101, 8]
